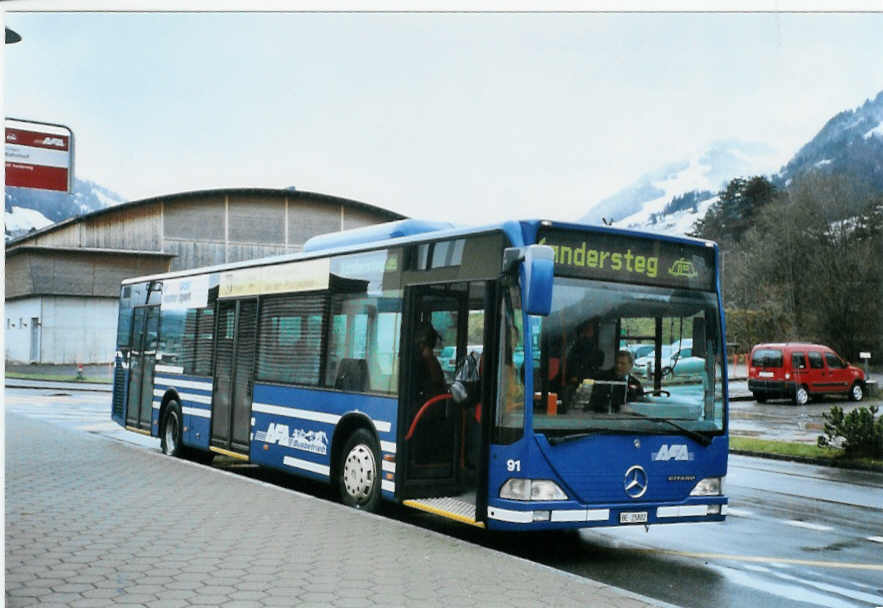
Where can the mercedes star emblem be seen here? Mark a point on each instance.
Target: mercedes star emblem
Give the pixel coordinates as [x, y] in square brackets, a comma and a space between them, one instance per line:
[635, 481]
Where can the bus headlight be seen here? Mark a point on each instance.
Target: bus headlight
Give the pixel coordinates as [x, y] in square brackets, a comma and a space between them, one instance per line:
[710, 486]
[531, 489]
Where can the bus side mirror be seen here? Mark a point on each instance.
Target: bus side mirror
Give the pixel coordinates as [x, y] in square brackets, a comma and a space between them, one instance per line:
[699, 337]
[539, 268]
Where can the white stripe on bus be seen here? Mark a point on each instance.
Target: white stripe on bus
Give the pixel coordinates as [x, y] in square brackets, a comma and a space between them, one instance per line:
[178, 383]
[682, 511]
[389, 466]
[388, 446]
[196, 411]
[387, 485]
[290, 412]
[207, 399]
[169, 369]
[306, 465]
[519, 517]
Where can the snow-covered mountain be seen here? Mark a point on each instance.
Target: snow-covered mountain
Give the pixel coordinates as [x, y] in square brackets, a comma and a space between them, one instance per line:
[28, 208]
[671, 199]
[851, 142]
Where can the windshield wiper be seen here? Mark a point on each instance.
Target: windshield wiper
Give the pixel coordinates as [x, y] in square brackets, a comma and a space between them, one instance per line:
[695, 435]
[556, 439]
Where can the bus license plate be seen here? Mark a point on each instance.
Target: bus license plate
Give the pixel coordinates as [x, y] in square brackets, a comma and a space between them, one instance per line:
[636, 517]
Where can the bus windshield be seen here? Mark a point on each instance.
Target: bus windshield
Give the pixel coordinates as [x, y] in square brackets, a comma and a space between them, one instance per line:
[596, 367]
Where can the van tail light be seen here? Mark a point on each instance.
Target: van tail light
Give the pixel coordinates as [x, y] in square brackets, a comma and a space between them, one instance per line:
[787, 376]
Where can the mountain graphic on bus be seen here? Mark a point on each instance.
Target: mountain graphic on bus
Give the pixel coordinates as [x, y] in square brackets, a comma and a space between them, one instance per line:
[683, 268]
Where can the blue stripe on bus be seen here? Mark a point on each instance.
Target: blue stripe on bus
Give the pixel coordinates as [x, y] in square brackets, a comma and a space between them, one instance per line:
[301, 403]
[290, 433]
[196, 414]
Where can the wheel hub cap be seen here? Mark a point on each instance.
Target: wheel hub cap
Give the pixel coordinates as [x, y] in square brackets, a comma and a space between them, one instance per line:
[358, 472]
[171, 433]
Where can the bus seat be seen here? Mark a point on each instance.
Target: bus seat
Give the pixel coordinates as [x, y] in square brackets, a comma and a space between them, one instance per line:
[554, 367]
[352, 375]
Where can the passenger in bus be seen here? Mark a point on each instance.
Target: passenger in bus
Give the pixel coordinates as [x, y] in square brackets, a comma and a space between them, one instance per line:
[584, 360]
[432, 443]
[624, 389]
[429, 376]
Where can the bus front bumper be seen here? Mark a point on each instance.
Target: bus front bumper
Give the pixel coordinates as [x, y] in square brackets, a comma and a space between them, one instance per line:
[710, 508]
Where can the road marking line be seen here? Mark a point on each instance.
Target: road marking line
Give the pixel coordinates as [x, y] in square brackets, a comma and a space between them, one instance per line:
[768, 560]
[808, 525]
[876, 539]
[739, 512]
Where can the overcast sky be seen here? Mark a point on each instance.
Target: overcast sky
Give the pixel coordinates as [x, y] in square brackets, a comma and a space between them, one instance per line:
[465, 117]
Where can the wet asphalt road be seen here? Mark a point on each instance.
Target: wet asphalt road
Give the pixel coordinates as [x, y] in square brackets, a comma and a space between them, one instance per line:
[797, 535]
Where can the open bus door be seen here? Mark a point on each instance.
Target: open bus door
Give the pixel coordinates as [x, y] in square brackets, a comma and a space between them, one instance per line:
[441, 460]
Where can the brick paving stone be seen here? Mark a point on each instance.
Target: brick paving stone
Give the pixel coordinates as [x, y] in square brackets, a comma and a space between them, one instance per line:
[352, 603]
[102, 593]
[92, 603]
[168, 604]
[241, 604]
[210, 600]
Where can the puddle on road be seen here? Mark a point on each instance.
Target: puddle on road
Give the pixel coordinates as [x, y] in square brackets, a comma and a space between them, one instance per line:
[796, 588]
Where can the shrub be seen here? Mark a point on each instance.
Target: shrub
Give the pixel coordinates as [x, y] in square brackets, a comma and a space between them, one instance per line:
[862, 435]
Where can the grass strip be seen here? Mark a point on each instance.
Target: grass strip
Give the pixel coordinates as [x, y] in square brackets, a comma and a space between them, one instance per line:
[58, 378]
[802, 452]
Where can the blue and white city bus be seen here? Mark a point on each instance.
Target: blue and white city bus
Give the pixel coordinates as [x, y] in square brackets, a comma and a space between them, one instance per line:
[307, 363]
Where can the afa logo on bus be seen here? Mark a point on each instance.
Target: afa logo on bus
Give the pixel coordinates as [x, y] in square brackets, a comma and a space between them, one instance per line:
[677, 451]
[315, 442]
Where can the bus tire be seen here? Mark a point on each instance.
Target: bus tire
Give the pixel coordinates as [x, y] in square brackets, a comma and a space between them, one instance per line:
[170, 433]
[359, 472]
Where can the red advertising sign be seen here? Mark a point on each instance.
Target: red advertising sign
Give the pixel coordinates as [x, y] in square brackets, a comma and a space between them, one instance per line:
[38, 155]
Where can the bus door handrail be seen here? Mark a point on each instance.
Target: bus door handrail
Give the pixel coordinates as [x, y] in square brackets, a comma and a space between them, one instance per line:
[423, 408]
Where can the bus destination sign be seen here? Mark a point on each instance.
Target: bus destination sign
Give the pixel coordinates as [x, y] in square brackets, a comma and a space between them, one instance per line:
[616, 257]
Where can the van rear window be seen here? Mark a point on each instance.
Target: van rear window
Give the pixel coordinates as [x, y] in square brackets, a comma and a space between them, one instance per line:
[766, 357]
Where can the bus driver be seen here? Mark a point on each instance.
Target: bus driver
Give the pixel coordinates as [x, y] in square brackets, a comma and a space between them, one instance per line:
[623, 388]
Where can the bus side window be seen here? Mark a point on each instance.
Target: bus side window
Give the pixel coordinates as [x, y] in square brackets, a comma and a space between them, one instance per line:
[361, 338]
[290, 339]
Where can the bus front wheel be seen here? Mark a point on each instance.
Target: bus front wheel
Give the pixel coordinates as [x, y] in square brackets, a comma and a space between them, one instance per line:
[171, 430]
[359, 472]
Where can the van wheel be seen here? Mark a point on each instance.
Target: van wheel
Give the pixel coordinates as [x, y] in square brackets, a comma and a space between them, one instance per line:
[801, 396]
[359, 472]
[856, 393]
[760, 398]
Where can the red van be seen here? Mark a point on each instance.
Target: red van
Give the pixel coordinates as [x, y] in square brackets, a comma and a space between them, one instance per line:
[795, 370]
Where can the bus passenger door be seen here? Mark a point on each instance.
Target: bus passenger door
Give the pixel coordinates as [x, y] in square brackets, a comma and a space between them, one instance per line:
[442, 457]
[145, 330]
[233, 374]
[137, 342]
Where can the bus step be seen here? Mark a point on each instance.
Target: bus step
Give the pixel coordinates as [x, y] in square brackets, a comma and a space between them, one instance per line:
[451, 507]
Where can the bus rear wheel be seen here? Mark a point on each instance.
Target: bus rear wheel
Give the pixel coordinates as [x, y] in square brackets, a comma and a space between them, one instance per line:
[359, 472]
[171, 430]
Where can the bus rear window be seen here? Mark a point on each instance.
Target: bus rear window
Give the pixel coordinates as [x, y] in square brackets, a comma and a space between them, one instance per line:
[766, 357]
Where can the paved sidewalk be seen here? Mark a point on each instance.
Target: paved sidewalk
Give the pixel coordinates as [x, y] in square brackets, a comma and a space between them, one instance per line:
[92, 522]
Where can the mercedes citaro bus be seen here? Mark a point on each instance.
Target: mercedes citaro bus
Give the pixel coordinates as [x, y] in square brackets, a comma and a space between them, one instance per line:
[308, 363]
